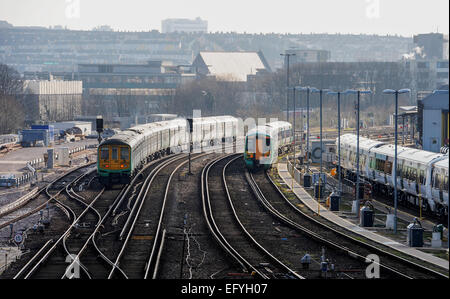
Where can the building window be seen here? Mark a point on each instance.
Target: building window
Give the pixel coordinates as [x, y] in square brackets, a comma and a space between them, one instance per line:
[442, 65]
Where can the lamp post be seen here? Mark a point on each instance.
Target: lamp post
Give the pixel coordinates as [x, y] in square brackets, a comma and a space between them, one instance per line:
[396, 93]
[287, 55]
[293, 127]
[338, 93]
[320, 91]
[308, 91]
[358, 93]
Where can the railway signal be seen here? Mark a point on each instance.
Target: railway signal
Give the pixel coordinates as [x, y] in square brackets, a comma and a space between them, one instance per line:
[99, 123]
[191, 129]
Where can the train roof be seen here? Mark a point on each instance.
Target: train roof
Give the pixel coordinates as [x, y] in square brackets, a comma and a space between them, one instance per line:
[270, 128]
[443, 163]
[131, 136]
[420, 156]
[279, 124]
[365, 144]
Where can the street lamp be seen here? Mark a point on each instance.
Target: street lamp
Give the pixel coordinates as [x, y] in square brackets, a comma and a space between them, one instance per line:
[358, 93]
[308, 91]
[293, 127]
[338, 93]
[396, 93]
[287, 55]
[320, 91]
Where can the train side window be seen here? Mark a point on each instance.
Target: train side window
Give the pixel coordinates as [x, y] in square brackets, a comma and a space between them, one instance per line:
[445, 183]
[104, 153]
[114, 153]
[124, 153]
[422, 177]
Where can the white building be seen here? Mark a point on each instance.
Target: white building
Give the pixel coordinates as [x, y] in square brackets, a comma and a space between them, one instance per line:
[184, 25]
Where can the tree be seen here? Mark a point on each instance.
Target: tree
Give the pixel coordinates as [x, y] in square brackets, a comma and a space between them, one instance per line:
[12, 114]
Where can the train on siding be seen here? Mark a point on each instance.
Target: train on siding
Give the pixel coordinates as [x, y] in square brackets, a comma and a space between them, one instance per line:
[122, 155]
[419, 172]
[263, 144]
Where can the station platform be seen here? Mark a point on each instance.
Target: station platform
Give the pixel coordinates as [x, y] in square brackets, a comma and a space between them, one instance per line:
[312, 204]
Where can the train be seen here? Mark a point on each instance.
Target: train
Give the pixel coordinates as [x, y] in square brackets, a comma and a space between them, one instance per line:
[263, 144]
[121, 156]
[422, 176]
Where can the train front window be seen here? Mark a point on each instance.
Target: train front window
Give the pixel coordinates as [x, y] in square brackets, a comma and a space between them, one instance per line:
[251, 144]
[124, 153]
[104, 153]
[114, 153]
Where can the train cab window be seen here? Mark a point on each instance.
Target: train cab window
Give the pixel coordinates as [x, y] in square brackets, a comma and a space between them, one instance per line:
[114, 153]
[124, 153]
[104, 153]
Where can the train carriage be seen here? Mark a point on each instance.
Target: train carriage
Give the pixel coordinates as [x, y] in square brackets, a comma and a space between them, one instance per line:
[420, 173]
[120, 156]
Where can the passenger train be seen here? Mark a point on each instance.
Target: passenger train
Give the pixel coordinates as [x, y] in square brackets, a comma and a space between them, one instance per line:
[419, 172]
[120, 156]
[264, 143]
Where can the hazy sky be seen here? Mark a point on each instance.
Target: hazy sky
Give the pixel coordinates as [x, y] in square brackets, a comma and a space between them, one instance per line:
[403, 17]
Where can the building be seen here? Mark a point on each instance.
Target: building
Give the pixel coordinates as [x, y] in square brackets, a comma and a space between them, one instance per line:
[184, 25]
[230, 66]
[433, 114]
[431, 44]
[427, 74]
[45, 100]
[130, 89]
[301, 56]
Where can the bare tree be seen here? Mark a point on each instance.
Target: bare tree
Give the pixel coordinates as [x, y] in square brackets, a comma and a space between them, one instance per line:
[11, 111]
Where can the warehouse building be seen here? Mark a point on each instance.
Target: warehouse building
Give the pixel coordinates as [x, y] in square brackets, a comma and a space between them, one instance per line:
[51, 100]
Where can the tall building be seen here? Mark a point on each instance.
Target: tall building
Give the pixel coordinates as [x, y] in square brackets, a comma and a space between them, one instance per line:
[432, 44]
[184, 25]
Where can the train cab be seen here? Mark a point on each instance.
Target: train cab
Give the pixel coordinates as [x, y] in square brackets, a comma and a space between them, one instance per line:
[114, 163]
[258, 149]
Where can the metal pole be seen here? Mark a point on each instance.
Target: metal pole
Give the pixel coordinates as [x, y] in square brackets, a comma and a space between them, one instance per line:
[339, 143]
[357, 155]
[295, 160]
[287, 85]
[307, 127]
[395, 163]
[321, 148]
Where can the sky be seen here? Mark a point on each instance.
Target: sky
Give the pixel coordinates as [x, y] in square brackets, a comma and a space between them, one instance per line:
[382, 17]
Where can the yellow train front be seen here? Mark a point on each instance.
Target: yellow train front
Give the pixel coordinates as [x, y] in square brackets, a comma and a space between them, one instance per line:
[114, 163]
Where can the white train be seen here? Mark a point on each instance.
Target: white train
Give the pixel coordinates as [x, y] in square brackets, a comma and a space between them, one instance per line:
[419, 172]
[120, 156]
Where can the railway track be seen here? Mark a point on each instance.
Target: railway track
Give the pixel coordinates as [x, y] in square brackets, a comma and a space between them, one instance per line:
[391, 265]
[228, 230]
[142, 235]
[40, 200]
[52, 262]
